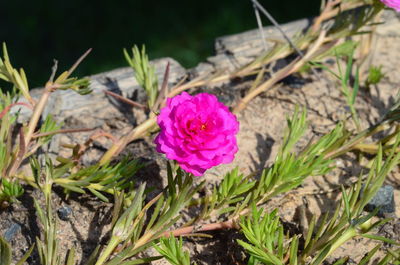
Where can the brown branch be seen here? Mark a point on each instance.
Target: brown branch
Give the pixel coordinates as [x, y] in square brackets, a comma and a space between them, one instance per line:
[135, 134]
[37, 135]
[20, 154]
[75, 65]
[325, 14]
[230, 224]
[53, 71]
[163, 91]
[81, 148]
[125, 100]
[101, 133]
[194, 229]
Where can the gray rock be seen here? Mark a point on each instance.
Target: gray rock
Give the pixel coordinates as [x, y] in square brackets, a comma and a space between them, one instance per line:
[64, 213]
[247, 45]
[12, 231]
[384, 199]
[64, 104]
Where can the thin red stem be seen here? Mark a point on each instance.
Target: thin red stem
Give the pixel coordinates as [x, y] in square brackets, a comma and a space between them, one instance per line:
[7, 109]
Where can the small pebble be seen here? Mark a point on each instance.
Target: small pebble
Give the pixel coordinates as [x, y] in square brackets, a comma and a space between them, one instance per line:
[64, 213]
[226, 98]
[330, 61]
[384, 199]
[294, 82]
[12, 231]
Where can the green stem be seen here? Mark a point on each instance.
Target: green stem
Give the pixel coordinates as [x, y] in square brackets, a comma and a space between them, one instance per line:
[96, 186]
[355, 117]
[349, 234]
[356, 140]
[115, 240]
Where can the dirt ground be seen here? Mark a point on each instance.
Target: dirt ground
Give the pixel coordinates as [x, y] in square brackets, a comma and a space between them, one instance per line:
[261, 129]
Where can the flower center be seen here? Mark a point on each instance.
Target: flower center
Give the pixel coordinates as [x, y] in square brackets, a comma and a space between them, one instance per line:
[203, 127]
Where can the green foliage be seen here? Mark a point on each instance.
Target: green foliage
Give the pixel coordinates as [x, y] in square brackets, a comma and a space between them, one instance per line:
[130, 228]
[392, 257]
[49, 125]
[96, 179]
[48, 245]
[14, 151]
[81, 86]
[348, 221]
[9, 74]
[172, 249]
[5, 252]
[144, 73]
[264, 233]
[350, 93]
[350, 22]
[343, 49]
[267, 242]
[375, 75]
[139, 222]
[10, 190]
[25, 256]
[233, 189]
[235, 193]
[7, 122]
[289, 170]
[296, 127]
[348, 89]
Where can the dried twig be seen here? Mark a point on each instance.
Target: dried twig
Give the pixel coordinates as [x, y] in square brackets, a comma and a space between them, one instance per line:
[125, 100]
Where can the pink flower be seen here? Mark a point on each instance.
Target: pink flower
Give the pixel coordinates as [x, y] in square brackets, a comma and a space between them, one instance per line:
[395, 4]
[197, 131]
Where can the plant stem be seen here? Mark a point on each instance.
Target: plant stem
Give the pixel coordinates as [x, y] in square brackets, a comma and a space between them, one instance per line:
[143, 240]
[284, 72]
[37, 135]
[133, 135]
[347, 235]
[126, 100]
[37, 112]
[7, 108]
[96, 186]
[356, 140]
[373, 148]
[115, 240]
[229, 224]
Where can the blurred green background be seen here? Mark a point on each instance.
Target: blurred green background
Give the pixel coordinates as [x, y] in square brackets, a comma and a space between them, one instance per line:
[38, 31]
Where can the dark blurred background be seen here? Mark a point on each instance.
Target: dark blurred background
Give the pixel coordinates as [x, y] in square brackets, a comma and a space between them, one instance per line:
[38, 31]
